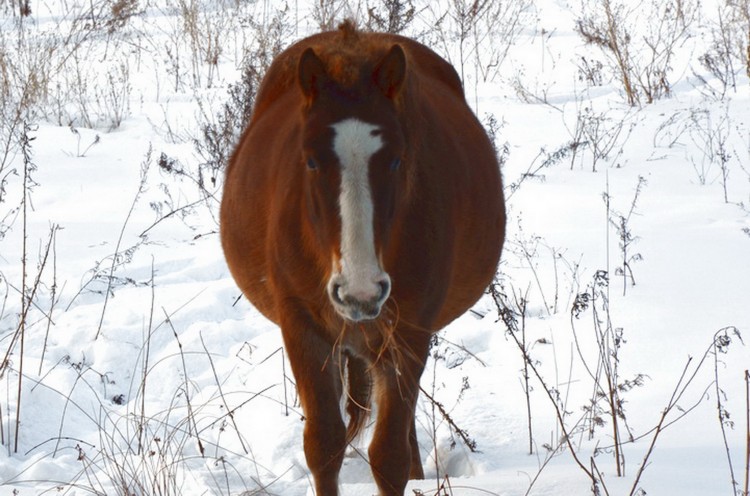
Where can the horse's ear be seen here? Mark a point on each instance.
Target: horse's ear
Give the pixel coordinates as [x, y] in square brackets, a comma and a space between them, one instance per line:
[311, 74]
[390, 72]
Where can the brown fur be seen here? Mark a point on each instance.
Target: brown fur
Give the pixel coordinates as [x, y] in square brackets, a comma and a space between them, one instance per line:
[280, 231]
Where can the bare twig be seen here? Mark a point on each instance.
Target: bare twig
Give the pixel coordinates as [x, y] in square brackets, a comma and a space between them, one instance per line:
[26, 149]
[146, 356]
[28, 293]
[720, 344]
[469, 442]
[660, 425]
[747, 430]
[506, 315]
[720, 341]
[230, 411]
[141, 188]
[521, 305]
[192, 427]
[53, 292]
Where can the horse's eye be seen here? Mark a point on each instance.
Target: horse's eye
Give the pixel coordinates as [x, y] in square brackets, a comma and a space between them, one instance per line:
[395, 164]
[312, 164]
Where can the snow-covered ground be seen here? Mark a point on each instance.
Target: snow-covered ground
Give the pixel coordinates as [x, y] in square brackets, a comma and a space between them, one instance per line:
[143, 368]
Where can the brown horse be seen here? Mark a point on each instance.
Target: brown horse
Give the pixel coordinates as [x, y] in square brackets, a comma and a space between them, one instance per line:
[362, 212]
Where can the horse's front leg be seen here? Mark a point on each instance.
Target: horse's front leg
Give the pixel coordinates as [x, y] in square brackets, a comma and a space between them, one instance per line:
[394, 452]
[319, 386]
[417, 471]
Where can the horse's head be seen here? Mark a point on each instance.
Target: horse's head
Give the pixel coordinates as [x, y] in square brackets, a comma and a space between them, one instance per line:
[352, 152]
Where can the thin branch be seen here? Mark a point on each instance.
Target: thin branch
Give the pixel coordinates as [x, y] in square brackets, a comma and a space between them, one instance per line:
[470, 443]
[747, 430]
[230, 411]
[141, 187]
[512, 327]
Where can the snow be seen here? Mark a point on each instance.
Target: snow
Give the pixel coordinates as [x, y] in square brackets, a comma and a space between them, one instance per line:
[187, 389]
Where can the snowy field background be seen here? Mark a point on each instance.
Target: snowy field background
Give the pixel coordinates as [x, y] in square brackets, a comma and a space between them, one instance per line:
[130, 364]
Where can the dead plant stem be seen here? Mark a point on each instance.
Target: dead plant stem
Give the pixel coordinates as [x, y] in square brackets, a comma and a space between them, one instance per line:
[24, 304]
[433, 405]
[747, 429]
[471, 444]
[192, 424]
[723, 417]
[609, 361]
[558, 414]
[146, 355]
[527, 390]
[623, 61]
[53, 293]
[677, 393]
[230, 412]
[512, 327]
[141, 188]
[619, 462]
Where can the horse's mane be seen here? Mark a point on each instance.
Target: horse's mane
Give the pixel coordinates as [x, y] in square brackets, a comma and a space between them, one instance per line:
[349, 53]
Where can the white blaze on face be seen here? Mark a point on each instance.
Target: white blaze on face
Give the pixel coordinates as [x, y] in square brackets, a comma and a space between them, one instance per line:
[359, 277]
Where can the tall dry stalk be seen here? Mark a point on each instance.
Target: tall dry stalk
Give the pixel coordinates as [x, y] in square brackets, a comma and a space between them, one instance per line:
[28, 291]
[510, 320]
[54, 298]
[747, 430]
[25, 304]
[115, 256]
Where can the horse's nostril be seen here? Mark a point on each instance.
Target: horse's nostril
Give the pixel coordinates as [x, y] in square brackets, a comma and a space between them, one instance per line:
[385, 289]
[336, 294]
[359, 302]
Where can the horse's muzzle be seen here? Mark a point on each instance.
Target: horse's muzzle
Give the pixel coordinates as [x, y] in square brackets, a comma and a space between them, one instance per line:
[359, 301]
